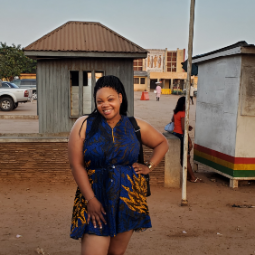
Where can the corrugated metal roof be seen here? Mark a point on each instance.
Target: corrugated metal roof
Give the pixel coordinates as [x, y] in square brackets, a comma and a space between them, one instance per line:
[84, 37]
[232, 46]
[241, 47]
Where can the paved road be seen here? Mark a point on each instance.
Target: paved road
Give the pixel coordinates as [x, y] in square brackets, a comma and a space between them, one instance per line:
[29, 108]
[157, 113]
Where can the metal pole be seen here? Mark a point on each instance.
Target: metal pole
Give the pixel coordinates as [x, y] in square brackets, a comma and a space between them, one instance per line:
[186, 130]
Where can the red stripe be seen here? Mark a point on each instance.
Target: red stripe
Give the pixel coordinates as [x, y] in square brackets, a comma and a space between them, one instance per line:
[231, 159]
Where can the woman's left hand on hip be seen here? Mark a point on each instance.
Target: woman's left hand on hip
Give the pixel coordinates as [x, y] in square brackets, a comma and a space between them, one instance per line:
[141, 169]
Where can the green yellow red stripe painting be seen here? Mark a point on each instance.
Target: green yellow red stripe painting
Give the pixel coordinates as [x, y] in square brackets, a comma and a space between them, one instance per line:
[233, 166]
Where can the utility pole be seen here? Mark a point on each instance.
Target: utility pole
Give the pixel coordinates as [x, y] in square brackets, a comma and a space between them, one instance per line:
[184, 201]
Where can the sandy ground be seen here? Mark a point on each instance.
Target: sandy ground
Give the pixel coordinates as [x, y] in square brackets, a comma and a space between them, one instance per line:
[41, 212]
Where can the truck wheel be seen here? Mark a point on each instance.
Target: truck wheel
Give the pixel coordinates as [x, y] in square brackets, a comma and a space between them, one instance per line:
[15, 105]
[6, 104]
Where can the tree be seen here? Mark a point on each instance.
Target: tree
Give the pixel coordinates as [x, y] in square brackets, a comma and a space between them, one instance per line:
[13, 62]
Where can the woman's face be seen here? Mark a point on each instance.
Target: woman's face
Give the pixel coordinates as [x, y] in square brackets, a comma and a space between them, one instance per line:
[108, 102]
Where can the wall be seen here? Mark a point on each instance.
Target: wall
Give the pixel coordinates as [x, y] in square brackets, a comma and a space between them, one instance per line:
[245, 139]
[41, 161]
[217, 104]
[140, 87]
[166, 84]
[180, 59]
[53, 83]
[168, 75]
[47, 161]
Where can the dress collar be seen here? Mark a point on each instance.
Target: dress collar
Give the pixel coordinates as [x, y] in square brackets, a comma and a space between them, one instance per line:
[117, 124]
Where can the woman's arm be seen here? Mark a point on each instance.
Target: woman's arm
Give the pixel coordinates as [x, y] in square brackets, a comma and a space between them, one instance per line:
[75, 154]
[154, 140]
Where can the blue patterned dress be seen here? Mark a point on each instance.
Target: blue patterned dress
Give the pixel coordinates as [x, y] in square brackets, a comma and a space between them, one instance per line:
[108, 158]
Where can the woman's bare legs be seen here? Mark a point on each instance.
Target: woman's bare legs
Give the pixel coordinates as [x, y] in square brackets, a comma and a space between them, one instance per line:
[191, 174]
[119, 243]
[95, 245]
[105, 245]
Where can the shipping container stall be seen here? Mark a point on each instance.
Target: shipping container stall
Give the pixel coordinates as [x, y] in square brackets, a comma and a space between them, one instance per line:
[225, 112]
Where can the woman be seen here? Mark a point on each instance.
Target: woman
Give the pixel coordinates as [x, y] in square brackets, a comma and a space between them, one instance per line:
[103, 152]
[158, 91]
[179, 123]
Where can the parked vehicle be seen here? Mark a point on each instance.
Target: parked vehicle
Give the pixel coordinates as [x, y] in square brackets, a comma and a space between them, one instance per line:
[7, 84]
[27, 84]
[11, 95]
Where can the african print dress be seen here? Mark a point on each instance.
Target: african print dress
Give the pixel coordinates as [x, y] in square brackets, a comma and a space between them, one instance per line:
[108, 157]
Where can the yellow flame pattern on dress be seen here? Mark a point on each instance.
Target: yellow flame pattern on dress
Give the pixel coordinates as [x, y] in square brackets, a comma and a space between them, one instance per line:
[80, 207]
[136, 200]
[79, 210]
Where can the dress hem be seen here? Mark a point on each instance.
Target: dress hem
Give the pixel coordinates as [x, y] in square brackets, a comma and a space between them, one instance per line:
[137, 230]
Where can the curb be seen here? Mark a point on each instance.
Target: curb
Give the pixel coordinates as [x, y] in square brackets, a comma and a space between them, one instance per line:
[21, 117]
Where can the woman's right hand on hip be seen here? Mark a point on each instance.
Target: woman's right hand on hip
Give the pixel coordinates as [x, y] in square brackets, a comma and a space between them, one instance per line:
[95, 213]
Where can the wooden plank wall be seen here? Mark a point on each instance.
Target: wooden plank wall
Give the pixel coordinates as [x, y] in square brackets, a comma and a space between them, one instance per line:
[53, 83]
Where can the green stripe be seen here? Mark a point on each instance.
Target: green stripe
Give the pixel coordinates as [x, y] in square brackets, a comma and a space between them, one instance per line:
[226, 170]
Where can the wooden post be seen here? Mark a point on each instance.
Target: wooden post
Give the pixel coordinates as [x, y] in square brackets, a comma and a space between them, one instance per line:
[184, 201]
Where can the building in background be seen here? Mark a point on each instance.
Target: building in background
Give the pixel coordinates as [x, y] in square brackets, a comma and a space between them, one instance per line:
[161, 65]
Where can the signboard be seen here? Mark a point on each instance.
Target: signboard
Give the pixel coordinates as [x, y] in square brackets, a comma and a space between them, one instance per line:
[155, 60]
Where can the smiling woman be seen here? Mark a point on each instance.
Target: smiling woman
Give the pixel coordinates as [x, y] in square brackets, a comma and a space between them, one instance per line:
[110, 201]
[108, 103]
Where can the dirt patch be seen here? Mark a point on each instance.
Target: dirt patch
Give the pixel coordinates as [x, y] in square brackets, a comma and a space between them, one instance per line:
[41, 214]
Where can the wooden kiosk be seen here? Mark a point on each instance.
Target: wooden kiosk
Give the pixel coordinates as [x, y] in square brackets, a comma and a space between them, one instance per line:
[225, 113]
[69, 61]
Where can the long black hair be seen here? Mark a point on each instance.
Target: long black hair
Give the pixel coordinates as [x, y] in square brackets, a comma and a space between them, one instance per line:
[109, 81]
[180, 105]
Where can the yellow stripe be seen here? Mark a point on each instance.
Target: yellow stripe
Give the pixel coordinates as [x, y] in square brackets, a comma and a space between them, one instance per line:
[113, 136]
[214, 159]
[224, 162]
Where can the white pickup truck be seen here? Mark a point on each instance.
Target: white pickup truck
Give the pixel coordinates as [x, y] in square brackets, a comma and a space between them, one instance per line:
[11, 95]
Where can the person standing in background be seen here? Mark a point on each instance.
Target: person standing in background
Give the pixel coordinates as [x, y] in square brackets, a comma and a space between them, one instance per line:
[158, 90]
[191, 92]
[179, 123]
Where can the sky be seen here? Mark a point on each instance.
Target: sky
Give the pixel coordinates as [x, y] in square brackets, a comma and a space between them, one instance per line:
[152, 24]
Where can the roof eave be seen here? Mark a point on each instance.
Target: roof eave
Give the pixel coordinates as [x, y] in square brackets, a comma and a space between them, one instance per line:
[230, 52]
[71, 54]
